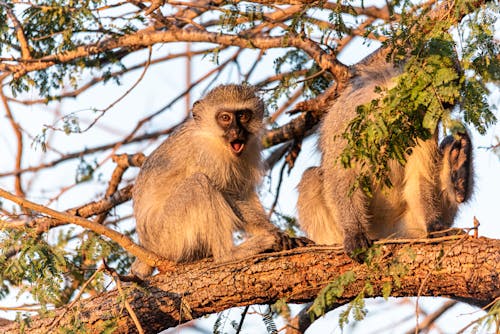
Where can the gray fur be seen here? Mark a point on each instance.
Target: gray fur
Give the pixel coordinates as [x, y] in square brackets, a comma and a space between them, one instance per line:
[422, 199]
[193, 192]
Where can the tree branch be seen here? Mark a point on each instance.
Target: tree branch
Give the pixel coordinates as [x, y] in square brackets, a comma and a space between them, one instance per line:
[470, 271]
[148, 37]
[124, 241]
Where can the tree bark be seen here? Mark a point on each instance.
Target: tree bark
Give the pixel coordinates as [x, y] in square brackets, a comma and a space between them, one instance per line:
[466, 268]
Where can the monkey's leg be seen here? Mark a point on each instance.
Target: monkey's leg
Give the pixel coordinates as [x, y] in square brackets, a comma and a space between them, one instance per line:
[420, 191]
[436, 181]
[455, 179]
[314, 216]
[186, 223]
[189, 221]
[349, 210]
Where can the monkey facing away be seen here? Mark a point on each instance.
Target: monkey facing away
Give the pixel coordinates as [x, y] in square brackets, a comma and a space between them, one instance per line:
[425, 192]
[199, 186]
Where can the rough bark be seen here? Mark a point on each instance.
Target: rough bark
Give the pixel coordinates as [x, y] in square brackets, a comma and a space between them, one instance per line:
[466, 268]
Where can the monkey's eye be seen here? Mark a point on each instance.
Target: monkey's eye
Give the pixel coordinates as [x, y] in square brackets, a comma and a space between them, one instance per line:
[244, 116]
[225, 118]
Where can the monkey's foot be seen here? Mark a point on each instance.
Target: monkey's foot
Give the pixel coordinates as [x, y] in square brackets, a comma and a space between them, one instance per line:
[141, 270]
[355, 246]
[460, 160]
[285, 242]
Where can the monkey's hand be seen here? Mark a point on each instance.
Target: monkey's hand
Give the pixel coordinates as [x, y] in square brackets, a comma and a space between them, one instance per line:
[284, 241]
[356, 245]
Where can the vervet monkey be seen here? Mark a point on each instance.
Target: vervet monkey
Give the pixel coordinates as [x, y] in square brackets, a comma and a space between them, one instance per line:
[199, 186]
[425, 192]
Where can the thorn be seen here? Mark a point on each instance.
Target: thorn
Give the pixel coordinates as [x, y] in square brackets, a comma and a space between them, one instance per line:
[476, 227]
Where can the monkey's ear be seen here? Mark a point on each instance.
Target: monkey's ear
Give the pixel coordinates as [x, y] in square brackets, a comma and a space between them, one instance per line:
[196, 116]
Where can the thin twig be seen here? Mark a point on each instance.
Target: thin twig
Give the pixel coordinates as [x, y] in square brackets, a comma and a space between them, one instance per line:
[278, 188]
[56, 321]
[19, 155]
[431, 318]
[130, 310]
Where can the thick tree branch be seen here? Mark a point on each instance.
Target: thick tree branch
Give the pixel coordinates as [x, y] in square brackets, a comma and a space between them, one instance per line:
[465, 268]
[148, 37]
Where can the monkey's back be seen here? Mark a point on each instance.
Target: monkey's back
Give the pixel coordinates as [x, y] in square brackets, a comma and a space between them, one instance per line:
[422, 196]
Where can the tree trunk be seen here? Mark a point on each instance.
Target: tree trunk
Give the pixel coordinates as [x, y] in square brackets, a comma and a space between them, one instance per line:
[466, 268]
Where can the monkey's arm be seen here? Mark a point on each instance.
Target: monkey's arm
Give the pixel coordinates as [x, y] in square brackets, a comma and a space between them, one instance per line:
[259, 228]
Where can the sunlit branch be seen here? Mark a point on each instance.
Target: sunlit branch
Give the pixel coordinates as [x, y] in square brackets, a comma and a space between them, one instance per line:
[21, 37]
[19, 155]
[115, 74]
[124, 241]
[146, 38]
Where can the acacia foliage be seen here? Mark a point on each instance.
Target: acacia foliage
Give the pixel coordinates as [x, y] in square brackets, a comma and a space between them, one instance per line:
[53, 50]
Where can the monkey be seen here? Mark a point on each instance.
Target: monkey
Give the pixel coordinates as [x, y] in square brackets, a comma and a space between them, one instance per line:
[199, 186]
[425, 192]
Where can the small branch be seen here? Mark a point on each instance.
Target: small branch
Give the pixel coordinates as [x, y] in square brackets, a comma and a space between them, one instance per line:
[19, 156]
[92, 82]
[84, 152]
[299, 127]
[278, 188]
[242, 320]
[295, 96]
[430, 319]
[124, 241]
[123, 162]
[21, 37]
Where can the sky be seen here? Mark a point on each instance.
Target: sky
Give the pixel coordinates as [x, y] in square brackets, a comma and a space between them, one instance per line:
[160, 85]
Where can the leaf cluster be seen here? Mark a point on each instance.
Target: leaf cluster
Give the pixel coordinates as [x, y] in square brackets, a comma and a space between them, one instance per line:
[329, 295]
[51, 272]
[437, 85]
[37, 268]
[237, 17]
[55, 27]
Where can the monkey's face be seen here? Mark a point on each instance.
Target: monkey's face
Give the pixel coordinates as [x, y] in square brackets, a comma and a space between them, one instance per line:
[230, 117]
[235, 126]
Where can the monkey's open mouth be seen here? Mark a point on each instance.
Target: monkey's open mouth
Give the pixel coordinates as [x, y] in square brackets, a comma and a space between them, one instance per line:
[237, 146]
